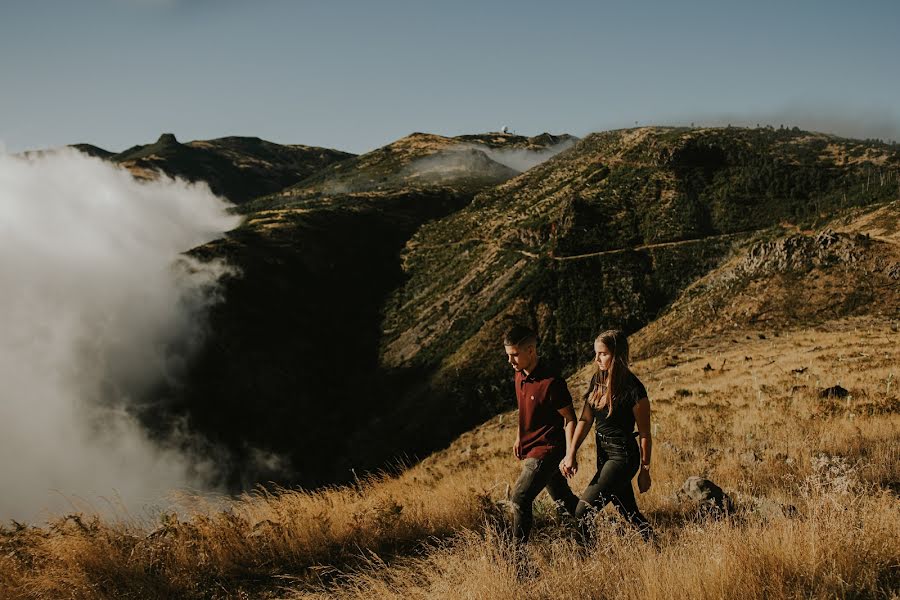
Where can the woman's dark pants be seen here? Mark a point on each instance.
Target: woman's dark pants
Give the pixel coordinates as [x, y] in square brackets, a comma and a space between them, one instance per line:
[538, 473]
[618, 461]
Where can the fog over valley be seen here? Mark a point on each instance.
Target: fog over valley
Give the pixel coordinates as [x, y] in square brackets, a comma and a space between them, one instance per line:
[98, 306]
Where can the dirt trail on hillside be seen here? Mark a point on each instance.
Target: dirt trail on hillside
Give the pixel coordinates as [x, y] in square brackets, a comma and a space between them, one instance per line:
[529, 254]
[656, 245]
[865, 225]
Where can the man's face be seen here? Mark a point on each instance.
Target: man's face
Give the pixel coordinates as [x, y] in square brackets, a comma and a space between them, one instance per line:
[522, 357]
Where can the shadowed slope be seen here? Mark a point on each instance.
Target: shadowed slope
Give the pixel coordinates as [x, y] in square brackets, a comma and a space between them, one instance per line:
[291, 368]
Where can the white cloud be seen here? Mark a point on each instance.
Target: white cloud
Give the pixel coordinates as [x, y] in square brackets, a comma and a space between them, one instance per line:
[522, 159]
[97, 306]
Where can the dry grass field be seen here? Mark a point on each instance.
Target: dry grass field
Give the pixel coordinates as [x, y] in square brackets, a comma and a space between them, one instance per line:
[815, 484]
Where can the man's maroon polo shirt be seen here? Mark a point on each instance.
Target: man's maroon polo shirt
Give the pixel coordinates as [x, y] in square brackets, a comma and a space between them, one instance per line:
[541, 394]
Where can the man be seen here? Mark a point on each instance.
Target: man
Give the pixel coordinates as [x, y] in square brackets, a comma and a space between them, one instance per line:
[546, 425]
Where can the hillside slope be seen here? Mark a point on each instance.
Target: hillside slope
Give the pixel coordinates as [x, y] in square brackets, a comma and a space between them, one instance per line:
[741, 398]
[419, 161]
[291, 364]
[795, 281]
[606, 235]
[814, 482]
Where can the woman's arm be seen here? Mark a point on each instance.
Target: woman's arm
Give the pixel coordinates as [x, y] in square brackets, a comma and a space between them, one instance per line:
[642, 418]
[569, 465]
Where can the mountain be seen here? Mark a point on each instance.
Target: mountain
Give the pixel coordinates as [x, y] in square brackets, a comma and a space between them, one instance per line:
[798, 461]
[365, 324]
[605, 235]
[763, 303]
[850, 268]
[292, 355]
[238, 168]
[94, 151]
[419, 161]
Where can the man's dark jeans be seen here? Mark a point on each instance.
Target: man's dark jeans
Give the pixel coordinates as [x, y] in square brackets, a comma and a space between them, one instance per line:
[538, 473]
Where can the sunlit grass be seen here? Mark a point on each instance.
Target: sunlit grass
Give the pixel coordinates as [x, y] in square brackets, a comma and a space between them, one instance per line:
[814, 483]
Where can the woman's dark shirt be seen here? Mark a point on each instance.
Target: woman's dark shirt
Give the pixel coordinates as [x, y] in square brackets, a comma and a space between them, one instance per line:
[621, 423]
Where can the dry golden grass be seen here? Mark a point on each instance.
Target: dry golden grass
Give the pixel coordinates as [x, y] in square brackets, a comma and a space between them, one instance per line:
[815, 484]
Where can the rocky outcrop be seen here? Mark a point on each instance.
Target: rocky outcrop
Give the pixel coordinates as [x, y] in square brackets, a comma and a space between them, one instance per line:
[804, 252]
[705, 495]
[790, 281]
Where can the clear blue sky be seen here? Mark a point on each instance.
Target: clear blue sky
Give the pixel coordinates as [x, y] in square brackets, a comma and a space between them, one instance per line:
[357, 75]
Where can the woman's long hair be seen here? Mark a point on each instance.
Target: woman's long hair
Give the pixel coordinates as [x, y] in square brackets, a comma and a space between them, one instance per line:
[617, 375]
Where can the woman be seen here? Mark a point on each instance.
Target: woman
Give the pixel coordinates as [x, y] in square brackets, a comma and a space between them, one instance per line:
[617, 401]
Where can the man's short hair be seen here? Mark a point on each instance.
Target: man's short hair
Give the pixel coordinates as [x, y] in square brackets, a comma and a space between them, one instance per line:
[519, 335]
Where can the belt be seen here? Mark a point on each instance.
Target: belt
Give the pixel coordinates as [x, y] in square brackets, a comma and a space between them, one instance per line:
[615, 438]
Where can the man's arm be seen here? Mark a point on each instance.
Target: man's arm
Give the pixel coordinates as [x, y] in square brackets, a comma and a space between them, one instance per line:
[568, 415]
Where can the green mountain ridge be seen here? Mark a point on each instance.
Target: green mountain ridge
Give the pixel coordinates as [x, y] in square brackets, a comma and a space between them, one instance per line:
[656, 194]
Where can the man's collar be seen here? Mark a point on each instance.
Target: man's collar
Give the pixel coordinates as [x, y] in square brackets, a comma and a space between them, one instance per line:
[531, 376]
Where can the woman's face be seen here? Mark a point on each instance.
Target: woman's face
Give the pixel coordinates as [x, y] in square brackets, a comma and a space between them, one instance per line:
[602, 356]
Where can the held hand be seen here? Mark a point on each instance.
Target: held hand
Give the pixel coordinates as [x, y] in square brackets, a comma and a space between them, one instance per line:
[568, 466]
[644, 480]
[517, 449]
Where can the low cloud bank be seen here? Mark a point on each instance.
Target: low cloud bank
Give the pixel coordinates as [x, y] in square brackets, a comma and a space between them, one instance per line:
[98, 307]
[522, 159]
[470, 159]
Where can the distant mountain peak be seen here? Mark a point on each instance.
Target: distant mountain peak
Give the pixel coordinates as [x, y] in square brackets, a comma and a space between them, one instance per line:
[239, 168]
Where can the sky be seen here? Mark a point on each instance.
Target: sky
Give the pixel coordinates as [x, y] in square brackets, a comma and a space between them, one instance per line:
[355, 75]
